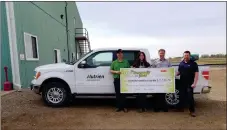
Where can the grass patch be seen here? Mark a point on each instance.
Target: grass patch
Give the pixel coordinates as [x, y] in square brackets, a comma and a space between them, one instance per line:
[203, 60]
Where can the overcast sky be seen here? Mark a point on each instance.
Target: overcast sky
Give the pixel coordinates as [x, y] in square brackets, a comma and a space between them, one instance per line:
[175, 26]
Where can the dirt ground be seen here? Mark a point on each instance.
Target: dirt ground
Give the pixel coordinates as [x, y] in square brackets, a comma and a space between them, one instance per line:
[25, 110]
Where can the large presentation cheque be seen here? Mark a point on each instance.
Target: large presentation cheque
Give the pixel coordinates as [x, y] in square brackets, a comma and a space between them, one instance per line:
[148, 80]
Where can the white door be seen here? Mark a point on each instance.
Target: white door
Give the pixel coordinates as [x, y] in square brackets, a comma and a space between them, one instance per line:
[95, 76]
[57, 56]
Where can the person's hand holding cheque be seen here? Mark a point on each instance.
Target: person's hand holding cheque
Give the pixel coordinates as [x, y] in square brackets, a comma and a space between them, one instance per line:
[178, 73]
[193, 85]
[118, 72]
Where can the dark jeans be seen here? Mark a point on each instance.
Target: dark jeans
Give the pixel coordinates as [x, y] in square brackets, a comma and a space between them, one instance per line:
[141, 100]
[120, 98]
[159, 102]
[186, 96]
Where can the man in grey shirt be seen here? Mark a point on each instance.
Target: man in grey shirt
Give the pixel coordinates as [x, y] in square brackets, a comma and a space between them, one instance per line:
[162, 62]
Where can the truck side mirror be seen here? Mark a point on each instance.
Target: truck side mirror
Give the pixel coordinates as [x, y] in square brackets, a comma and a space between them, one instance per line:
[82, 64]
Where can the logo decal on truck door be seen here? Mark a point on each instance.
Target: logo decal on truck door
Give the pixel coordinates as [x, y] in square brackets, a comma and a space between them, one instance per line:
[69, 71]
[95, 77]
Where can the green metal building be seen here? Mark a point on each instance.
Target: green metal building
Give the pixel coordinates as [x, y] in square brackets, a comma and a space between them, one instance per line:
[38, 33]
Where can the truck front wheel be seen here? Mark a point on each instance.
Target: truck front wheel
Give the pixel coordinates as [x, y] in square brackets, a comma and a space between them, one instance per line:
[55, 94]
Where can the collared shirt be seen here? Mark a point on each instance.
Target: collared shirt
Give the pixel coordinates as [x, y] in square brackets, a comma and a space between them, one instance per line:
[187, 70]
[161, 63]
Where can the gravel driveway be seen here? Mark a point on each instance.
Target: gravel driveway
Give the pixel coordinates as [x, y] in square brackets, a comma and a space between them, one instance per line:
[25, 110]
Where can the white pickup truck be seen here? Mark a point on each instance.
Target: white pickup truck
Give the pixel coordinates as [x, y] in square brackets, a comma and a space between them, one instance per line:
[90, 76]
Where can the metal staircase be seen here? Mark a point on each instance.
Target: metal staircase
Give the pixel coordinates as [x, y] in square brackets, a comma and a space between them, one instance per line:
[82, 39]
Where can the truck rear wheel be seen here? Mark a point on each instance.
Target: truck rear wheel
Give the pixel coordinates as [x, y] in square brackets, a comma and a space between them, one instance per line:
[173, 99]
[55, 94]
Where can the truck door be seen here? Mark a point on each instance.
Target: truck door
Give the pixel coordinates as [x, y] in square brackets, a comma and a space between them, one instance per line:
[94, 76]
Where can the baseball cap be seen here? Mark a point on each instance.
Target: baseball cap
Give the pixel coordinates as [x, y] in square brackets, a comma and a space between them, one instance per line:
[119, 51]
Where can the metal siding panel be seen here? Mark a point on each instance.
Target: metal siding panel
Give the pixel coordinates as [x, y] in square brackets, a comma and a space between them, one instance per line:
[50, 33]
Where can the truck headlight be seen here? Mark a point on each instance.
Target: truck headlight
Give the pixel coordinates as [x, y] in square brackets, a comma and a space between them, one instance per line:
[37, 75]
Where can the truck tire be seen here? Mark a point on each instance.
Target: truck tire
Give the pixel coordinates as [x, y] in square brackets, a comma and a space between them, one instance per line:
[55, 94]
[173, 99]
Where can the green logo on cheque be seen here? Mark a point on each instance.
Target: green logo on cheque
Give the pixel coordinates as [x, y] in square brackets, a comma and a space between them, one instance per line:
[141, 74]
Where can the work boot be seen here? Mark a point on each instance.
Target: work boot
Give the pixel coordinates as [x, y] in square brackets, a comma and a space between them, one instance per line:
[157, 110]
[125, 110]
[117, 110]
[192, 114]
[142, 110]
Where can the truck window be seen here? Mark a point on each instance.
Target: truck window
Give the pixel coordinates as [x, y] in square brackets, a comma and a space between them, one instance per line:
[99, 59]
[128, 55]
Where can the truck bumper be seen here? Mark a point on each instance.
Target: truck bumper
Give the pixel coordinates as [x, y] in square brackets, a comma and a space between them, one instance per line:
[206, 89]
[35, 88]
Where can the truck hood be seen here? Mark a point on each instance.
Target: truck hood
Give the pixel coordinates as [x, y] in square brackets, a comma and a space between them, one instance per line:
[55, 67]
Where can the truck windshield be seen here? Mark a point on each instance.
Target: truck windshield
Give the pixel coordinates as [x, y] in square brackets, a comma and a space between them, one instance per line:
[75, 60]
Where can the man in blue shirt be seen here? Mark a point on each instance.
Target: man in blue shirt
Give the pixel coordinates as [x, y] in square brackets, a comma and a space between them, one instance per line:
[188, 71]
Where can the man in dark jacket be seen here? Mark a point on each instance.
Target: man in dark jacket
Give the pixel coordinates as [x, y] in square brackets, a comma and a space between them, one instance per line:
[188, 71]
